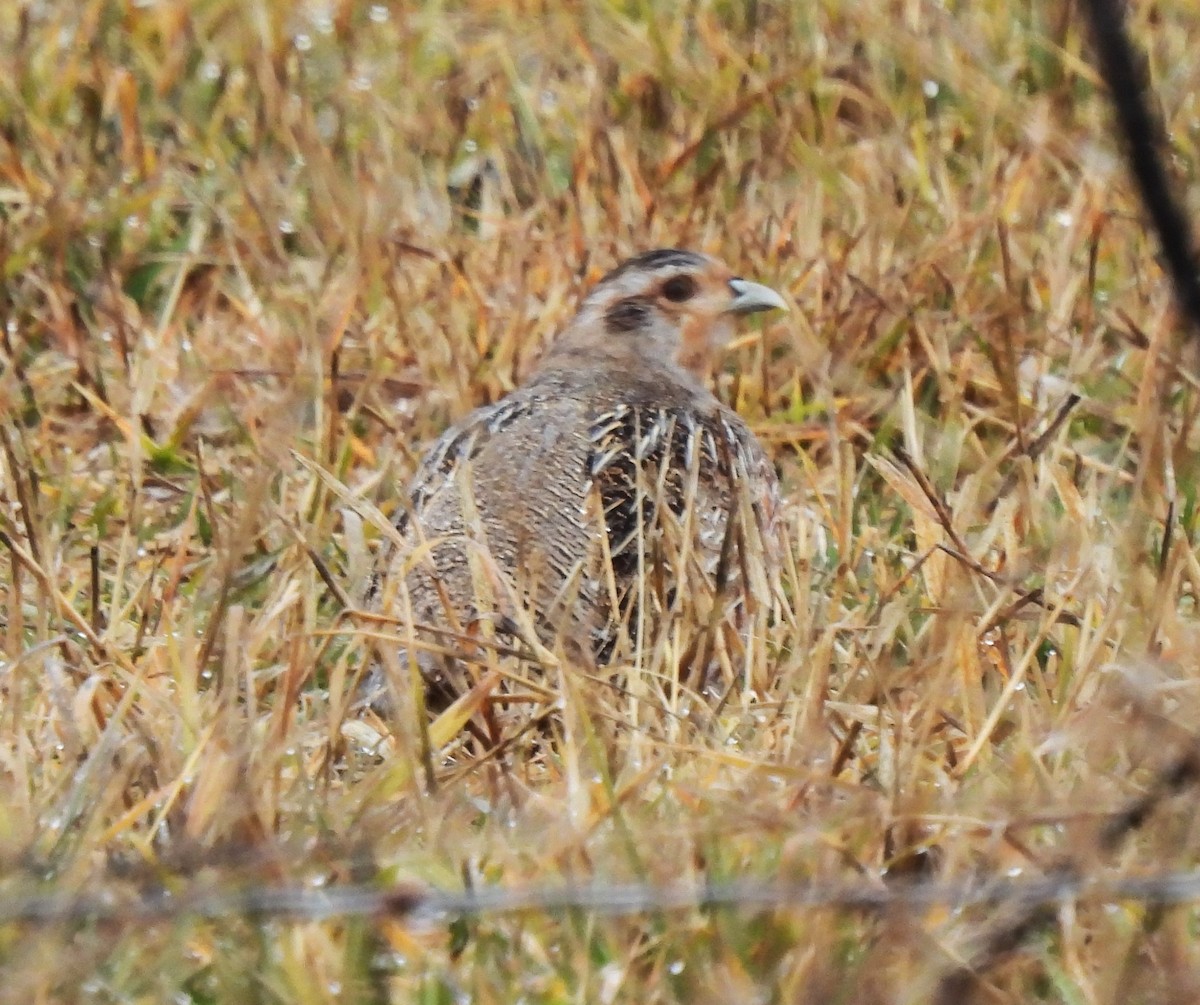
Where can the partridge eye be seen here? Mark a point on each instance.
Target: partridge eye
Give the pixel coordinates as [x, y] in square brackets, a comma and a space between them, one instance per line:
[679, 289]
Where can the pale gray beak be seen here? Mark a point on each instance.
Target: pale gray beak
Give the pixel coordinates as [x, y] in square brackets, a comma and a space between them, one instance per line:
[749, 297]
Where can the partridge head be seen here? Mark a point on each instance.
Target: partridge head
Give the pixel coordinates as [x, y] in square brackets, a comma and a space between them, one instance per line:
[665, 306]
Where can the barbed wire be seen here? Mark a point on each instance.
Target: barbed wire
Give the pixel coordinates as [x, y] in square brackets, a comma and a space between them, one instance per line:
[423, 905]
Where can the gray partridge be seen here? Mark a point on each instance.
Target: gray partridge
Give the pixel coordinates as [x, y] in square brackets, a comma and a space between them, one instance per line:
[609, 489]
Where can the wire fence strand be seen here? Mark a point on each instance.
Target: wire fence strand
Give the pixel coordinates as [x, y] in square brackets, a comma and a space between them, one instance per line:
[422, 905]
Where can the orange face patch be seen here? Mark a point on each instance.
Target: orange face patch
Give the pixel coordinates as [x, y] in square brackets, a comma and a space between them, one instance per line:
[695, 344]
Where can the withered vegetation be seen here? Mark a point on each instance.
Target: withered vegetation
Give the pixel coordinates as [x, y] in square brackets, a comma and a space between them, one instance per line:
[257, 255]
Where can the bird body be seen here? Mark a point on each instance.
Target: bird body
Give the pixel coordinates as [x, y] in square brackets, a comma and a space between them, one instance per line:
[595, 495]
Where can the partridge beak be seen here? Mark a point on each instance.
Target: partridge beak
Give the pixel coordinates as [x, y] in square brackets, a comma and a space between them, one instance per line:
[750, 297]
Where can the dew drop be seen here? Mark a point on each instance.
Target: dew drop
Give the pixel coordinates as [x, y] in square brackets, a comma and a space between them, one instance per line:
[327, 123]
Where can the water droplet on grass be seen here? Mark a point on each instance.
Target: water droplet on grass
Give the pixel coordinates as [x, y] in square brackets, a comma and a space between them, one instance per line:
[327, 123]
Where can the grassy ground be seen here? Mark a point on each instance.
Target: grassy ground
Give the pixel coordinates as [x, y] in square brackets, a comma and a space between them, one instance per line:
[257, 254]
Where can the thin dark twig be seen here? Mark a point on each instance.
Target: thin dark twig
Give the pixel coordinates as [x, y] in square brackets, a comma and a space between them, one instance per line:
[1034, 596]
[1034, 449]
[96, 620]
[1181, 773]
[327, 577]
[1124, 71]
[945, 518]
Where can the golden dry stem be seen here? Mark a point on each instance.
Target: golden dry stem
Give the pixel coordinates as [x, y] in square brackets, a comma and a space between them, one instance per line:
[258, 255]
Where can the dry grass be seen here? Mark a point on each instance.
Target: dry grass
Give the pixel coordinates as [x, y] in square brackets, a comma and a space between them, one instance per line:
[255, 252]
